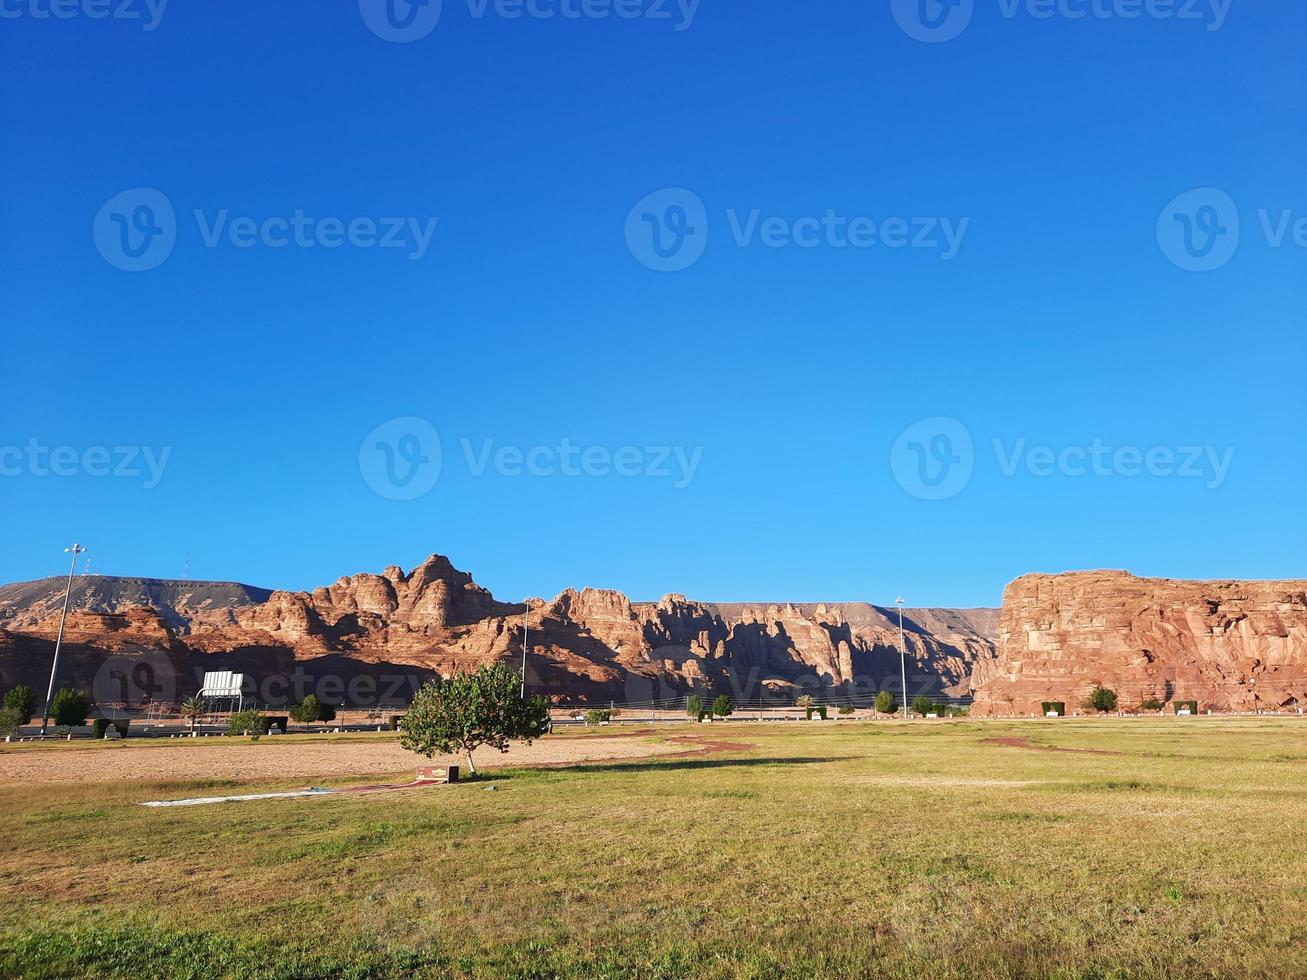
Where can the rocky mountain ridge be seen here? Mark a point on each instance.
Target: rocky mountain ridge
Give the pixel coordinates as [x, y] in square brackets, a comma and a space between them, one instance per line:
[584, 644]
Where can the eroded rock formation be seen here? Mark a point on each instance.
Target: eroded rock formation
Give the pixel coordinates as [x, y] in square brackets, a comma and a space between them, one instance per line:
[1231, 645]
[367, 632]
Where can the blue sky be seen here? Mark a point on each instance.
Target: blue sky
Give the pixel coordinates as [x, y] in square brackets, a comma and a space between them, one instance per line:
[1070, 384]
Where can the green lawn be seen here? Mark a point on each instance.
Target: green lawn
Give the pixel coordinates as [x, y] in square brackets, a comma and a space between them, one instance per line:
[839, 849]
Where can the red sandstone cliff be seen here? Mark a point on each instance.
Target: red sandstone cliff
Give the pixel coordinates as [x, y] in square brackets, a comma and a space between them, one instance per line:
[1227, 645]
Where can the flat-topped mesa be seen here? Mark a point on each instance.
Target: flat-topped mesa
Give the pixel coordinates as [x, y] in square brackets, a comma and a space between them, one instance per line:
[1229, 645]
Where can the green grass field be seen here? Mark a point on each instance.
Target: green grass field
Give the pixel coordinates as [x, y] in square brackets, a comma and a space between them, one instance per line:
[841, 849]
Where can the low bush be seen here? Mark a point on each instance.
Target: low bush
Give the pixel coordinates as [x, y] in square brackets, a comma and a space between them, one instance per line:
[846, 709]
[247, 722]
[597, 716]
[1150, 704]
[1101, 699]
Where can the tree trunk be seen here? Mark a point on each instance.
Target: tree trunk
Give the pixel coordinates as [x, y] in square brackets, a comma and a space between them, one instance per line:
[471, 766]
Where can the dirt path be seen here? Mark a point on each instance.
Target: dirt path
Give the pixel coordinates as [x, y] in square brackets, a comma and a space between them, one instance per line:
[268, 758]
[1016, 742]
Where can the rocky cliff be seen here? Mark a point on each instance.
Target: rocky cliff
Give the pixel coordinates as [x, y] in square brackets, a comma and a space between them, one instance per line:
[374, 637]
[1228, 645]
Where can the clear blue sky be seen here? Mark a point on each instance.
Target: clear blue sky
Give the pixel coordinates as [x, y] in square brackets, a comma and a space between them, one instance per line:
[1061, 321]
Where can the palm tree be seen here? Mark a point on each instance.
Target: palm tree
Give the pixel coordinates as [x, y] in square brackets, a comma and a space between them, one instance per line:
[192, 709]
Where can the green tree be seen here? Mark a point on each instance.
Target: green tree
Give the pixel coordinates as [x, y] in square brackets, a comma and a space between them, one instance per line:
[192, 709]
[326, 712]
[722, 706]
[69, 708]
[922, 705]
[307, 711]
[10, 722]
[887, 703]
[247, 722]
[470, 710]
[1101, 699]
[694, 706]
[23, 700]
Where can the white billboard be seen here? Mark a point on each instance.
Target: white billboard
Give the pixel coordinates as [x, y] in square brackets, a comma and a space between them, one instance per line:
[221, 684]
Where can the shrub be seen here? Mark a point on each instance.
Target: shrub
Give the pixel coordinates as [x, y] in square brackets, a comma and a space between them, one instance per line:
[887, 703]
[846, 709]
[69, 708]
[1150, 704]
[722, 706]
[247, 722]
[1101, 699]
[694, 706]
[102, 725]
[22, 700]
[307, 711]
[11, 720]
[922, 705]
[597, 716]
[469, 710]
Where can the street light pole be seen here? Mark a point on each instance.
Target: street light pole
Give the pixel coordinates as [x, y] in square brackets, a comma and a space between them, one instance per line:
[903, 658]
[76, 550]
[526, 632]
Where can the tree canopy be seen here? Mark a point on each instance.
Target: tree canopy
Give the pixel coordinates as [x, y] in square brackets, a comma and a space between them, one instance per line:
[22, 700]
[470, 710]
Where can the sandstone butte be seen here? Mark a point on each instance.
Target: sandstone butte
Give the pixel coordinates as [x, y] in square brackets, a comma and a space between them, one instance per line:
[1229, 645]
[586, 645]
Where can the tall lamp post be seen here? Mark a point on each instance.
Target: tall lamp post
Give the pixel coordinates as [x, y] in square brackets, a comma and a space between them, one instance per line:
[903, 658]
[76, 550]
[526, 628]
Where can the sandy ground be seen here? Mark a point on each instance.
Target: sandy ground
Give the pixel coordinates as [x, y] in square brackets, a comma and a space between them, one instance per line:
[269, 758]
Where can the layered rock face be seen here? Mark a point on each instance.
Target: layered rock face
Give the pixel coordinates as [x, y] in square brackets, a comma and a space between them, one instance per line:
[379, 636]
[1227, 645]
